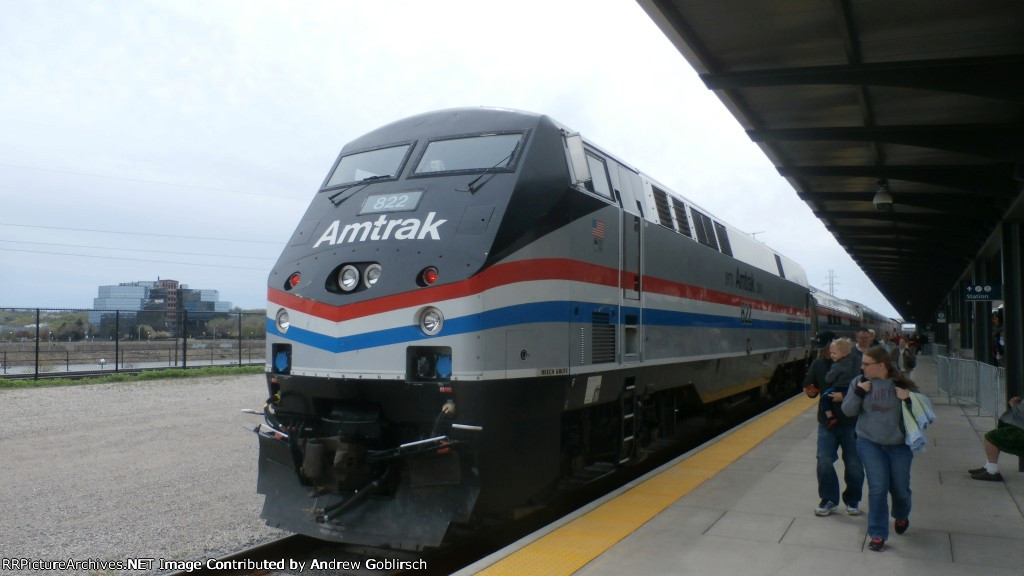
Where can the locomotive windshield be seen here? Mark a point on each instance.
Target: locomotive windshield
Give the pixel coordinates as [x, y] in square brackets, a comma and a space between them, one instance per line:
[484, 152]
[379, 163]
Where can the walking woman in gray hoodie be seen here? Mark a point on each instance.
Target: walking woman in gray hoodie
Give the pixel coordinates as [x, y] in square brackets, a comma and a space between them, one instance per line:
[874, 399]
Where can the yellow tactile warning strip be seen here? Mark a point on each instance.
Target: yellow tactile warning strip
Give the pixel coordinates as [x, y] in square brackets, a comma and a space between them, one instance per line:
[568, 548]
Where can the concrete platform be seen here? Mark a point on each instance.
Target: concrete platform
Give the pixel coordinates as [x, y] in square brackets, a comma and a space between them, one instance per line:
[755, 514]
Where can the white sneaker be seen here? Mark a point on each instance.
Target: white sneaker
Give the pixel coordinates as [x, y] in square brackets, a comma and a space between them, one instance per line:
[825, 508]
[853, 510]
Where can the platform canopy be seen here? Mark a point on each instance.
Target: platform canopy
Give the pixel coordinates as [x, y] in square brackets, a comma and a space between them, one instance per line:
[900, 123]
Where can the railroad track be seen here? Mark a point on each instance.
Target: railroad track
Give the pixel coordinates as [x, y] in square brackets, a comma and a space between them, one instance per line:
[267, 558]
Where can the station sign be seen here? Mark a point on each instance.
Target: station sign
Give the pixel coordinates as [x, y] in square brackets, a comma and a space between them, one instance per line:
[982, 292]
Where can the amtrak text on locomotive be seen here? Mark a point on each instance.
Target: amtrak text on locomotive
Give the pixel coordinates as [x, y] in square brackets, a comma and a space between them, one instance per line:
[743, 281]
[381, 229]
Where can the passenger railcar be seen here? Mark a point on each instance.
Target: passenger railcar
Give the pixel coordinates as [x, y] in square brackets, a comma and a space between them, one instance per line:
[845, 317]
[881, 324]
[479, 304]
[834, 314]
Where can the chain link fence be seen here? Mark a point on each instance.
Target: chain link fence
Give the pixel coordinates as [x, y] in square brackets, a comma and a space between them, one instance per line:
[46, 342]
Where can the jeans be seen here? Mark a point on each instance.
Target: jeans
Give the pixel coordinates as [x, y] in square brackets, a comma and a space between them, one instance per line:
[829, 443]
[888, 472]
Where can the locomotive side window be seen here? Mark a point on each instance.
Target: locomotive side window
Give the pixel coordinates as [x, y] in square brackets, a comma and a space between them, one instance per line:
[379, 163]
[598, 176]
[476, 153]
[778, 262]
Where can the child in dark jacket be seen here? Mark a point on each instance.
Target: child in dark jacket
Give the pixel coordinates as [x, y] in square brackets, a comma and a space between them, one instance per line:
[838, 378]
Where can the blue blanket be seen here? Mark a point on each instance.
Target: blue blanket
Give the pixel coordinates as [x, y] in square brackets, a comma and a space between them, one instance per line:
[916, 418]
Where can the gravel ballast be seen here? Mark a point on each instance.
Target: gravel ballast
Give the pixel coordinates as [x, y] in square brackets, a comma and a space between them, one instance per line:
[153, 469]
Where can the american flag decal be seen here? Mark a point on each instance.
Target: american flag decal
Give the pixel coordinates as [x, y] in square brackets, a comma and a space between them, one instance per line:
[597, 228]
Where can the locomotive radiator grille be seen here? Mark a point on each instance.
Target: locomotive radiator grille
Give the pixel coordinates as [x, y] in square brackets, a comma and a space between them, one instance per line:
[705, 229]
[602, 338]
[682, 224]
[723, 238]
[661, 203]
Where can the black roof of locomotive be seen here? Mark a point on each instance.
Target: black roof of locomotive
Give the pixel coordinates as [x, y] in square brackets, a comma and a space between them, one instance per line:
[448, 122]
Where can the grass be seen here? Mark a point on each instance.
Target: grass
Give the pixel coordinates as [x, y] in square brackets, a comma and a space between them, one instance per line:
[17, 383]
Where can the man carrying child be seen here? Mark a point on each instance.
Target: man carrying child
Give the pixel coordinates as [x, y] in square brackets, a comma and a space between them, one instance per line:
[832, 374]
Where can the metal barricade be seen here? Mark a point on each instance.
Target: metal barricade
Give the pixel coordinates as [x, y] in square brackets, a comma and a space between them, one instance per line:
[992, 389]
[973, 382]
[942, 374]
[963, 382]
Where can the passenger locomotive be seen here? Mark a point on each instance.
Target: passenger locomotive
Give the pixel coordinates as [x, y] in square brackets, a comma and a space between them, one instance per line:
[479, 304]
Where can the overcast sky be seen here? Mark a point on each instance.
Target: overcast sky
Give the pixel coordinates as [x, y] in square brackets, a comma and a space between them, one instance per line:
[184, 140]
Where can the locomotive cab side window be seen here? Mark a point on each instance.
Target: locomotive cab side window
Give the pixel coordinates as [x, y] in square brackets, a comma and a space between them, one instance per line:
[778, 262]
[598, 182]
[377, 164]
[485, 152]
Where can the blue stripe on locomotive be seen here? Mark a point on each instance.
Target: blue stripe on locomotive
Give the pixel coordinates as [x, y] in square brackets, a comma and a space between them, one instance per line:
[535, 312]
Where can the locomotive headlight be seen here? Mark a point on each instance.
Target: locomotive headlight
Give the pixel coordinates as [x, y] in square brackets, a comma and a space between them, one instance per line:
[282, 321]
[371, 275]
[431, 320]
[348, 278]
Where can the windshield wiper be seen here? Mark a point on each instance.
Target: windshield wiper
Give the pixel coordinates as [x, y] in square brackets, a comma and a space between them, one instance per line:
[489, 171]
[363, 182]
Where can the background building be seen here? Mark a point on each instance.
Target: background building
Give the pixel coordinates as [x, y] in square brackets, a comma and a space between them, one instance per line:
[162, 300]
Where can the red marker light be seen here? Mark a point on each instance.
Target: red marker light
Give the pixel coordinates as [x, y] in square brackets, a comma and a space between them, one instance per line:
[429, 275]
[294, 280]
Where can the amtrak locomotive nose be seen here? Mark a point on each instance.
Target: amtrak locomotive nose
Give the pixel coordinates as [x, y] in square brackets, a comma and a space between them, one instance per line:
[477, 306]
